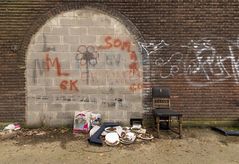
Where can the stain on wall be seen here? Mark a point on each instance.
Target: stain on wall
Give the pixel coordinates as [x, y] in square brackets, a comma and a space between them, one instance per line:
[82, 60]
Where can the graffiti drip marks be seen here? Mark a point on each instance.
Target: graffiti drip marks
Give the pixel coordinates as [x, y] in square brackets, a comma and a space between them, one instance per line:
[56, 99]
[38, 68]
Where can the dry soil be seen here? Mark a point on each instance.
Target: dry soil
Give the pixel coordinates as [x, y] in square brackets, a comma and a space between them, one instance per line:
[40, 146]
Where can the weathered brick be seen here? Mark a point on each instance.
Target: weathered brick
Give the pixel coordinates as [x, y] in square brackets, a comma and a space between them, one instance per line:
[68, 22]
[87, 39]
[71, 39]
[33, 118]
[48, 39]
[54, 107]
[85, 22]
[204, 94]
[61, 48]
[72, 107]
[78, 31]
[100, 31]
[65, 115]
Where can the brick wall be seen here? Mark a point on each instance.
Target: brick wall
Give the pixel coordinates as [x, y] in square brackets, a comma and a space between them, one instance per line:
[189, 46]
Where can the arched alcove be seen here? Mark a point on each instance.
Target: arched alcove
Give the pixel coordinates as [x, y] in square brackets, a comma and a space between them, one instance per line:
[81, 60]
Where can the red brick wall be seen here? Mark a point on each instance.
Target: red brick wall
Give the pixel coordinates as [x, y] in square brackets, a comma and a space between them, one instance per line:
[199, 65]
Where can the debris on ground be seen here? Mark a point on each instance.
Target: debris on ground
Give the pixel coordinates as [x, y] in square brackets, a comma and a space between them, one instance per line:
[85, 120]
[113, 135]
[7, 135]
[9, 131]
[14, 126]
[85, 123]
[112, 139]
[226, 132]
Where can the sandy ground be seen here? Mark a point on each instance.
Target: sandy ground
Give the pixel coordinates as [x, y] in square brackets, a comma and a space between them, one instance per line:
[199, 146]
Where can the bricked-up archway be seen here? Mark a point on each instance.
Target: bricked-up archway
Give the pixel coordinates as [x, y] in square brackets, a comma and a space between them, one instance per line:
[83, 60]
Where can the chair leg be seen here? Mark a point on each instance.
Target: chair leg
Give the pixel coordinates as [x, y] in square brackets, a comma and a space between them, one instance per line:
[158, 124]
[180, 126]
[169, 122]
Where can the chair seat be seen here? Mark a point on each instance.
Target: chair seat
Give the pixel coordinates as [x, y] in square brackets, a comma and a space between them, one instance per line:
[165, 112]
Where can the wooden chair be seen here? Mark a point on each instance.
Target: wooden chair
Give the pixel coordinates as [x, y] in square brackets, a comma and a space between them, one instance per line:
[161, 103]
[163, 114]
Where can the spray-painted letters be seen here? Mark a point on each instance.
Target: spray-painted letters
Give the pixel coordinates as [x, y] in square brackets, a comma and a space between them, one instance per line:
[124, 45]
[196, 60]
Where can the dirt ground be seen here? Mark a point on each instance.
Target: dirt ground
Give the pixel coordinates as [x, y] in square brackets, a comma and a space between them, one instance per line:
[60, 146]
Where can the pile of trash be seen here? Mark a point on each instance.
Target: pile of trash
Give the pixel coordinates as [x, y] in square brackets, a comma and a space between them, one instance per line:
[10, 131]
[114, 135]
[111, 133]
[86, 122]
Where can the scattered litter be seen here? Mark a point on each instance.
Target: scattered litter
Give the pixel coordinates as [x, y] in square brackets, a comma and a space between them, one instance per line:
[119, 130]
[15, 126]
[129, 138]
[226, 132]
[112, 139]
[7, 134]
[82, 122]
[127, 135]
[139, 131]
[41, 133]
[104, 133]
[145, 136]
[94, 129]
[88, 122]
[95, 139]
[110, 129]
[10, 131]
[64, 130]
[95, 119]
[85, 120]
[126, 129]
[136, 127]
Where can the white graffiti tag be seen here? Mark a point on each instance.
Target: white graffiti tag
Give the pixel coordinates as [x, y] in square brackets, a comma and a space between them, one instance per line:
[150, 48]
[200, 63]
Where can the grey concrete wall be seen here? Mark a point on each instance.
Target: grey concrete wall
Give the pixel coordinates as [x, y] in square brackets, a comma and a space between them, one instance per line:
[82, 60]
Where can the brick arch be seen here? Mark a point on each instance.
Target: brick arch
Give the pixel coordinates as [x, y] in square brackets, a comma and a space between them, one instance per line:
[61, 78]
[74, 6]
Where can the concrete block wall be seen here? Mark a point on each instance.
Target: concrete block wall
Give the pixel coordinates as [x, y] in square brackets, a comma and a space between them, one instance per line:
[82, 60]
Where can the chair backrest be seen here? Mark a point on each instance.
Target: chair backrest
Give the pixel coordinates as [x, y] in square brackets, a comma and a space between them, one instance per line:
[161, 92]
[161, 97]
[161, 102]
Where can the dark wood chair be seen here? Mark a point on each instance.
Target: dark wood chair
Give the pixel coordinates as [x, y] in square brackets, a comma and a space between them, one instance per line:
[163, 114]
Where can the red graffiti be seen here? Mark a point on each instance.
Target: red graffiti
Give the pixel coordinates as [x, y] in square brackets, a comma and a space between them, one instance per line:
[135, 87]
[63, 84]
[117, 43]
[125, 46]
[55, 63]
[71, 85]
[133, 56]
[134, 69]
